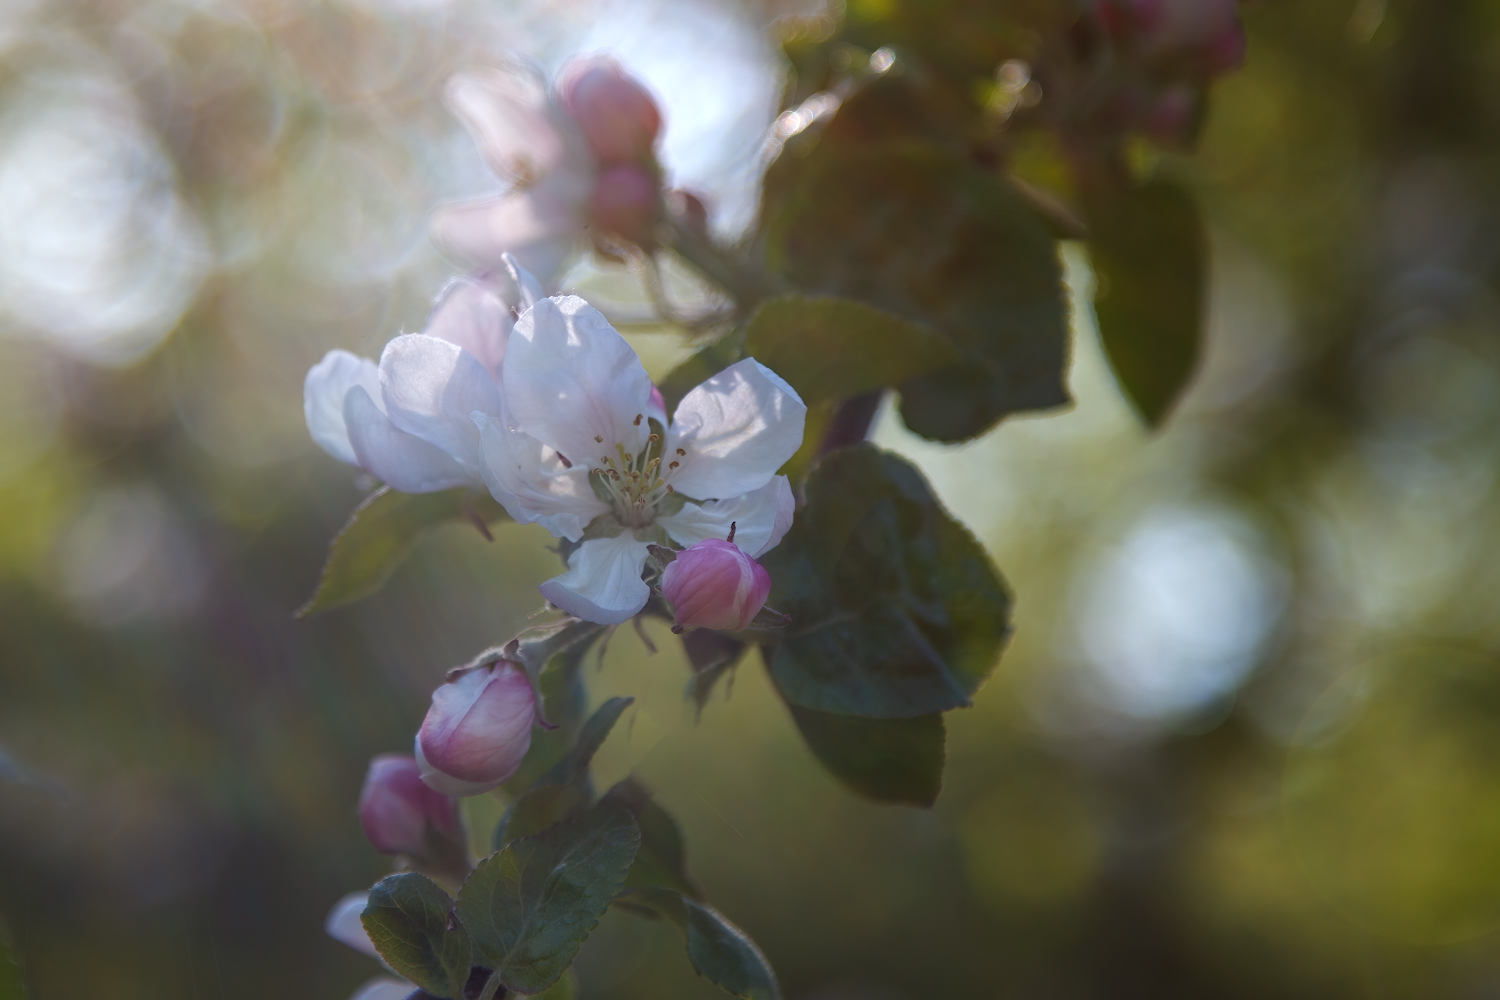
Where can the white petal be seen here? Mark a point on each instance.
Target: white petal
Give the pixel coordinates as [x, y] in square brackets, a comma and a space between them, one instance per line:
[532, 485]
[472, 316]
[430, 387]
[603, 583]
[540, 231]
[343, 923]
[572, 382]
[384, 988]
[528, 290]
[398, 459]
[323, 392]
[737, 428]
[521, 132]
[756, 517]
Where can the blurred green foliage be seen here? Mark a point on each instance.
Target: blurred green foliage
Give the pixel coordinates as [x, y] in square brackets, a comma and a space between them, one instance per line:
[1323, 827]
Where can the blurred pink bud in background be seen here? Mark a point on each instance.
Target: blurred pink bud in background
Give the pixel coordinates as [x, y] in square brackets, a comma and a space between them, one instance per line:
[616, 114]
[478, 729]
[1171, 114]
[625, 202]
[1209, 28]
[400, 814]
[714, 584]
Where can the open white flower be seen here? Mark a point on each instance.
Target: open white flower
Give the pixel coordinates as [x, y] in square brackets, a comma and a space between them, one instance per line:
[413, 433]
[574, 449]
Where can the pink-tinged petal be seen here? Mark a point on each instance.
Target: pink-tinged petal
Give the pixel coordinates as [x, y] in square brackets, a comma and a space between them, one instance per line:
[756, 518]
[323, 392]
[400, 814]
[384, 988]
[532, 484]
[627, 202]
[714, 584]
[538, 230]
[478, 728]
[603, 583]
[430, 387]
[656, 407]
[401, 461]
[472, 316]
[572, 382]
[616, 113]
[343, 924]
[444, 784]
[737, 429]
[515, 124]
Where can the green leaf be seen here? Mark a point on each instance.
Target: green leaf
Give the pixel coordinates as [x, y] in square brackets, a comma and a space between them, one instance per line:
[565, 988]
[712, 655]
[1149, 254]
[720, 951]
[922, 232]
[832, 348]
[575, 766]
[410, 919]
[896, 609]
[888, 760]
[12, 984]
[529, 907]
[381, 533]
[661, 863]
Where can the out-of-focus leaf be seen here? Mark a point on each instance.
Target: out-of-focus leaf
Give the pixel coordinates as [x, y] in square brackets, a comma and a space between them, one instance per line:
[564, 699]
[410, 919]
[661, 862]
[720, 951]
[12, 985]
[12, 769]
[1149, 254]
[564, 789]
[832, 348]
[896, 609]
[888, 760]
[529, 907]
[921, 232]
[711, 655]
[565, 988]
[380, 534]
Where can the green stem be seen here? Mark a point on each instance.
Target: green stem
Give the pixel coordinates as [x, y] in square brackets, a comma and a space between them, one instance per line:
[491, 987]
[745, 282]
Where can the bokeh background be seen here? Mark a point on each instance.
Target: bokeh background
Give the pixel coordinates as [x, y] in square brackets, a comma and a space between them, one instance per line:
[1245, 743]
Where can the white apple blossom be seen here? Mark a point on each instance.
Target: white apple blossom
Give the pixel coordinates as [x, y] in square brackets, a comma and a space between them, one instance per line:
[574, 450]
[343, 924]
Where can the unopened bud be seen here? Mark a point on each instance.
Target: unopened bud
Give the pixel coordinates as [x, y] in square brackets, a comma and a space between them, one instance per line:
[478, 729]
[714, 584]
[616, 114]
[626, 202]
[401, 815]
[1160, 27]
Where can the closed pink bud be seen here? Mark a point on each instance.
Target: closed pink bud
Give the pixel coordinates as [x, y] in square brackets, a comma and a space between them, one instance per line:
[400, 814]
[616, 114]
[478, 729]
[715, 585]
[626, 202]
[1171, 114]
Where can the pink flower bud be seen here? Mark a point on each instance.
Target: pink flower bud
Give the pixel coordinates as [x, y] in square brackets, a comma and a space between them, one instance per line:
[617, 115]
[715, 585]
[478, 729]
[1171, 114]
[400, 814]
[626, 202]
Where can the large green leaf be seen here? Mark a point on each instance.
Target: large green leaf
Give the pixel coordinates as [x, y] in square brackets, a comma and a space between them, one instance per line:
[410, 919]
[896, 609]
[1149, 254]
[661, 863]
[920, 231]
[720, 951]
[529, 907]
[380, 534]
[832, 348]
[888, 760]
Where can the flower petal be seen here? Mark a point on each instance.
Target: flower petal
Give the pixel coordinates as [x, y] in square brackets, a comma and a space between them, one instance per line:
[398, 459]
[572, 382]
[430, 387]
[603, 583]
[521, 133]
[323, 392]
[756, 517]
[472, 316]
[534, 226]
[445, 783]
[384, 988]
[528, 290]
[533, 486]
[343, 923]
[737, 428]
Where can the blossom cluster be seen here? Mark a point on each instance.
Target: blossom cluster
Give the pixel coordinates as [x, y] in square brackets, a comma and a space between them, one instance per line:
[539, 400]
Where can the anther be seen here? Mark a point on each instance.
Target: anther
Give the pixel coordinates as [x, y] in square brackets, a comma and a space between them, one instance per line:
[674, 465]
[564, 460]
[682, 452]
[638, 419]
[654, 437]
[731, 532]
[669, 488]
[598, 439]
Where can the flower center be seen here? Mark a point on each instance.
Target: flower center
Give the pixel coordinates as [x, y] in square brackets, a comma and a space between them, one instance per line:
[636, 483]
